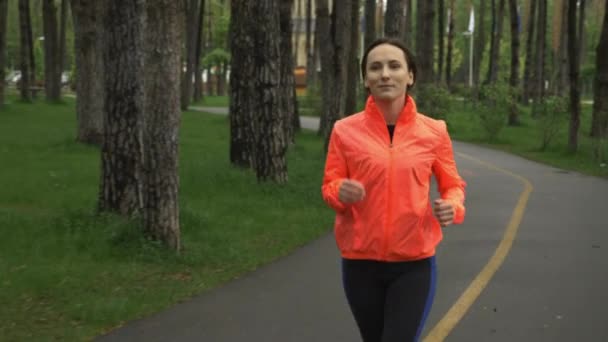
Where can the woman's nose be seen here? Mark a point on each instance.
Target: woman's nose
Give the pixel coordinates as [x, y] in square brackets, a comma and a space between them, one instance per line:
[385, 73]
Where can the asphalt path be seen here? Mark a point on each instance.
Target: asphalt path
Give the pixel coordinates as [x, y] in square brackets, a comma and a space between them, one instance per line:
[530, 263]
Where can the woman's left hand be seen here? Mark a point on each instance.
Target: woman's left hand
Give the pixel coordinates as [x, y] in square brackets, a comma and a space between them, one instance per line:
[444, 212]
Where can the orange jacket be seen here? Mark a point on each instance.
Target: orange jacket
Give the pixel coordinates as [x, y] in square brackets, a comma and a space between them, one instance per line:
[395, 220]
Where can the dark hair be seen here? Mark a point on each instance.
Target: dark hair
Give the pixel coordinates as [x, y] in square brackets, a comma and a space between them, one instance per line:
[409, 57]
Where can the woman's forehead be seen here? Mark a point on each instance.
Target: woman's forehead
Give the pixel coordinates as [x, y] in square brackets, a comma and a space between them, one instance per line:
[385, 52]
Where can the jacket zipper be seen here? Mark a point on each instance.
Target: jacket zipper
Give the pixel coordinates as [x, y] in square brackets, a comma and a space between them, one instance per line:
[388, 203]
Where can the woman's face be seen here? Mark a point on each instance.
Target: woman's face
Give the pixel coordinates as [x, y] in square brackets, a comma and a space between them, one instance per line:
[387, 74]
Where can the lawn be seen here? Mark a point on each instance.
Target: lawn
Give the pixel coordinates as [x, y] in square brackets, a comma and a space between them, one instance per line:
[69, 274]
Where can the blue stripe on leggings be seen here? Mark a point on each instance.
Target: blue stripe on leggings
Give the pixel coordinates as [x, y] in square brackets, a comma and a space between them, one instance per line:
[429, 298]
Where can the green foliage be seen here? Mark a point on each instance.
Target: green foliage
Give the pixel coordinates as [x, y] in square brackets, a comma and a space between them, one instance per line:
[68, 274]
[496, 102]
[433, 100]
[311, 104]
[552, 118]
[216, 57]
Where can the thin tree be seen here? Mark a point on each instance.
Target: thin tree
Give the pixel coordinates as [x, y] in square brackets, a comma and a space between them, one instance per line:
[287, 81]
[394, 19]
[270, 143]
[352, 72]
[310, 50]
[599, 120]
[514, 78]
[440, 38]
[575, 101]
[162, 107]
[3, 26]
[528, 77]
[540, 56]
[52, 74]
[192, 14]
[198, 79]
[369, 13]
[448, 66]
[63, 20]
[86, 16]
[242, 90]
[409, 24]
[480, 43]
[424, 40]
[497, 20]
[25, 61]
[122, 151]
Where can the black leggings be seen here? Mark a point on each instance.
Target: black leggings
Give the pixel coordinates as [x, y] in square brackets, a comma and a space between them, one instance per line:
[389, 300]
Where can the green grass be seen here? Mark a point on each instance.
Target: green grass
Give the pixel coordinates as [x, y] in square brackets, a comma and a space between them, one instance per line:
[213, 101]
[67, 274]
[524, 140]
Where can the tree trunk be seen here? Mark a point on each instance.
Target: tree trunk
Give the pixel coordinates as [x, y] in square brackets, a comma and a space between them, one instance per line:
[287, 81]
[480, 43]
[163, 36]
[122, 153]
[270, 144]
[352, 70]
[599, 121]
[497, 17]
[514, 79]
[62, 41]
[30, 44]
[394, 18]
[24, 50]
[198, 79]
[541, 50]
[575, 105]
[559, 85]
[448, 66]
[341, 46]
[326, 52]
[89, 70]
[425, 41]
[370, 32]
[3, 27]
[51, 51]
[242, 91]
[191, 35]
[310, 61]
[409, 24]
[440, 38]
[529, 53]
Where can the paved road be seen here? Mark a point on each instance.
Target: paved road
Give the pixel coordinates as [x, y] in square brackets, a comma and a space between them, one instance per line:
[550, 287]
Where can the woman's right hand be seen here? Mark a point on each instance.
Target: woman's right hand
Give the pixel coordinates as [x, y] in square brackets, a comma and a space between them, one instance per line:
[351, 191]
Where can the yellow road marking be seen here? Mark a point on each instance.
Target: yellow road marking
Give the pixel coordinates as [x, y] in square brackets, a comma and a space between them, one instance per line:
[468, 297]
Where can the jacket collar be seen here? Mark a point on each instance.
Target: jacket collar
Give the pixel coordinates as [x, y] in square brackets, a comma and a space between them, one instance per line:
[407, 114]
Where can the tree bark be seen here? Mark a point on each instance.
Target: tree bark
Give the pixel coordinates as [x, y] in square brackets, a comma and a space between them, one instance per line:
[541, 51]
[409, 24]
[528, 79]
[573, 55]
[52, 83]
[62, 41]
[3, 27]
[198, 79]
[394, 18]
[191, 35]
[448, 66]
[514, 78]
[352, 71]
[370, 32]
[440, 38]
[162, 107]
[599, 120]
[425, 41]
[497, 17]
[122, 153]
[24, 50]
[480, 43]
[311, 64]
[89, 70]
[242, 91]
[326, 52]
[270, 146]
[287, 81]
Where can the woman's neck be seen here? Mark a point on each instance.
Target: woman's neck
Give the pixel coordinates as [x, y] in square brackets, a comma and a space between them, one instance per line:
[391, 109]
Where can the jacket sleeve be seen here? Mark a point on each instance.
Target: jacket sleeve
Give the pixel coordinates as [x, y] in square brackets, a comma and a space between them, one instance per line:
[450, 185]
[335, 173]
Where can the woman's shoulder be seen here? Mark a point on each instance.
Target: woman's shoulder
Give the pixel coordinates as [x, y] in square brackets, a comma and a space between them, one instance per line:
[351, 121]
[436, 126]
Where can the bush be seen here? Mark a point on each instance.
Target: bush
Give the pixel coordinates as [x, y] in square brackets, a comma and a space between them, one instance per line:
[553, 113]
[433, 100]
[496, 101]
